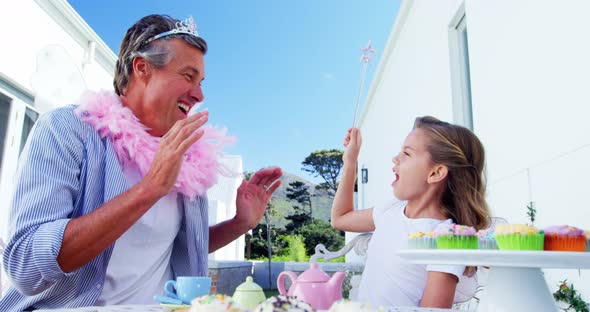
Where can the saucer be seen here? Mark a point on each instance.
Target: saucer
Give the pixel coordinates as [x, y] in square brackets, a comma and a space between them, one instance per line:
[175, 306]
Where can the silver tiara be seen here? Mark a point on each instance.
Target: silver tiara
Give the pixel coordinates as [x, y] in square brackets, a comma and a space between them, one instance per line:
[186, 26]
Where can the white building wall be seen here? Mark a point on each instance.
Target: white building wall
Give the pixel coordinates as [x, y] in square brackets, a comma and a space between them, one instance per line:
[529, 77]
[530, 80]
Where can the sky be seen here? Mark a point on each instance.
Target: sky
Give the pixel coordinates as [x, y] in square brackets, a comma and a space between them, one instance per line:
[282, 76]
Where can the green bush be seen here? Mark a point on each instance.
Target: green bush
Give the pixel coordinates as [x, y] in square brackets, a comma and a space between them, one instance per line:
[287, 258]
[336, 260]
[296, 248]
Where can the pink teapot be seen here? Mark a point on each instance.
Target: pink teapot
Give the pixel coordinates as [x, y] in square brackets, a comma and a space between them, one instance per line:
[313, 286]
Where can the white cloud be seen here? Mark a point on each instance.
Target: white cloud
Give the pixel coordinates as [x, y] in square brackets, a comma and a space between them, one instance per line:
[327, 76]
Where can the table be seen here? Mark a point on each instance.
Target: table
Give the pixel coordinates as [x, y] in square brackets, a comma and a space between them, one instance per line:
[515, 281]
[157, 308]
[118, 308]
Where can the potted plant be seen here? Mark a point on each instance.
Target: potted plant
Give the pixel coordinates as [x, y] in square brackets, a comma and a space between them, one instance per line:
[568, 299]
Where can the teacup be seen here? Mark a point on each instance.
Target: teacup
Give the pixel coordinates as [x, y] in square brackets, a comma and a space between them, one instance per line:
[187, 288]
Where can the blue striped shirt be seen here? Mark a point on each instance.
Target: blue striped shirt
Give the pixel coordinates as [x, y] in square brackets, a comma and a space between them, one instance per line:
[66, 170]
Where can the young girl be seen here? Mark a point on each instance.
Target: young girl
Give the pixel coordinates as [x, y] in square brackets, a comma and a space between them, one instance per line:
[438, 179]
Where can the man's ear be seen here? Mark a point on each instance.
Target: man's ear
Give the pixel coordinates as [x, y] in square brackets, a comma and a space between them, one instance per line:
[438, 174]
[141, 68]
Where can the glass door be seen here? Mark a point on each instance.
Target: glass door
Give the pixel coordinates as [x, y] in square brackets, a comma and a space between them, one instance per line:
[4, 118]
[30, 116]
[17, 117]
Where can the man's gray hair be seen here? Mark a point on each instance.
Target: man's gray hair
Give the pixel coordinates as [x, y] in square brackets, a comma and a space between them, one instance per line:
[135, 44]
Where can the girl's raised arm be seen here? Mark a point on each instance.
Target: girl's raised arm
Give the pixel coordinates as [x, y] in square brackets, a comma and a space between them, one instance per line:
[344, 217]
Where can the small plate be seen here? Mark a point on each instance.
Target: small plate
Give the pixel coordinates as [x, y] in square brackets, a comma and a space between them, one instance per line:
[175, 306]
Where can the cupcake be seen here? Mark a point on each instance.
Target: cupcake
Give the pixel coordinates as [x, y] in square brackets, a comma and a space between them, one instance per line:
[486, 239]
[421, 240]
[282, 303]
[453, 236]
[565, 238]
[345, 305]
[519, 237]
[587, 240]
[213, 303]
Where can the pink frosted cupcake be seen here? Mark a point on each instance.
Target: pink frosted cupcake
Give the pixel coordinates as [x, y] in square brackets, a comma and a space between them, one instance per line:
[565, 238]
[453, 236]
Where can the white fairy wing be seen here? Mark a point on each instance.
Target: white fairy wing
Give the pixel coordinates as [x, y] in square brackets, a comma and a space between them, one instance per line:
[57, 80]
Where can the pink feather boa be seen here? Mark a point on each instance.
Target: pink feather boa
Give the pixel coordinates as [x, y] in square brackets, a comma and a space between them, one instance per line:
[135, 146]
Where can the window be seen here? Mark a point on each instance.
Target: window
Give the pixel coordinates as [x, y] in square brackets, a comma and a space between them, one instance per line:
[460, 71]
[4, 118]
[17, 116]
[30, 118]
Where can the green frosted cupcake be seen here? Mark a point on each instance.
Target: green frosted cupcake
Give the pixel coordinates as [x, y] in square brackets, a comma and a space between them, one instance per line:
[519, 237]
[453, 236]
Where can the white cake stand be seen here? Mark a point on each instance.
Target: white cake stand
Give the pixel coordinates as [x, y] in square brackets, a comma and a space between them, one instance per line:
[515, 281]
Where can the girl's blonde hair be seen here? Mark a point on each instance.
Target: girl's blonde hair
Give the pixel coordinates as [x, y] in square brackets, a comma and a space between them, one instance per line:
[460, 150]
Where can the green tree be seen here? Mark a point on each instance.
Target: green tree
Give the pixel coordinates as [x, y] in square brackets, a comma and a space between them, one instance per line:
[297, 219]
[321, 232]
[326, 164]
[259, 242]
[298, 191]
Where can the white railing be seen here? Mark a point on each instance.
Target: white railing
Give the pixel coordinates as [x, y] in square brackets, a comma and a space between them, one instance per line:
[359, 243]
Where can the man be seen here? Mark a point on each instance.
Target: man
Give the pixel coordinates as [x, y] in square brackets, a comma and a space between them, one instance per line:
[110, 201]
